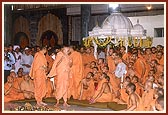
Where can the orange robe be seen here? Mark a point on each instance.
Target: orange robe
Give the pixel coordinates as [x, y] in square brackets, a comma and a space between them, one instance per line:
[125, 57]
[114, 82]
[161, 61]
[138, 89]
[86, 71]
[147, 98]
[124, 96]
[138, 65]
[13, 94]
[38, 73]
[77, 72]
[87, 59]
[101, 66]
[99, 86]
[105, 97]
[50, 61]
[152, 104]
[139, 104]
[49, 92]
[111, 64]
[61, 71]
[149, 57]
[87, 93]
[96, 79]
[16, 82]
[160, 69]
[132, 72]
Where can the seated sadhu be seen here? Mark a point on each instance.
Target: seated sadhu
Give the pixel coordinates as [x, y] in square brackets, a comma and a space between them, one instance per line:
[123, 98]
[134, 100]
[27, 87]
[11, 92]
[147, 96]
[105, 92]
[86, 87]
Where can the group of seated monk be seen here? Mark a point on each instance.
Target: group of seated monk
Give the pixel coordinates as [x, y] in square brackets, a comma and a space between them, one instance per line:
[18, 87]
[132, 78]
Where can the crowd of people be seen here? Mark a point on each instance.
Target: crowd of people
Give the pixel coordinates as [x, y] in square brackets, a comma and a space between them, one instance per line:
[135, 78]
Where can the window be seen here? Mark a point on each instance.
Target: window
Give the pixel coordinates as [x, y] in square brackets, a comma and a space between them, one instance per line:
[158, 32]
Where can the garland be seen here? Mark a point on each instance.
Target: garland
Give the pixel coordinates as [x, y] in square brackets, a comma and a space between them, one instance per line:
[87, 42]
[102, 44]
[130, 41]
[119, 41]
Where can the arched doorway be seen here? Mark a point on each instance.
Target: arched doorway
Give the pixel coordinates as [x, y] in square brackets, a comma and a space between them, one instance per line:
[49, 38]
[21, 39]
[52, 23]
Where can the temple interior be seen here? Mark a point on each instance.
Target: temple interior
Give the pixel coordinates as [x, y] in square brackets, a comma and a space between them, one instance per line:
[98, 27]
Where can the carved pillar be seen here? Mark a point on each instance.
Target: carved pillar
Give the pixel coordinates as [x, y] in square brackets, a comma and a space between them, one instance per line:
[33, 31]
[85, 18]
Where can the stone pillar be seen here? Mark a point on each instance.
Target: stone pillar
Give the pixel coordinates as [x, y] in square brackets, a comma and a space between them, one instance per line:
[85, 18]
[69, 29]
[33, 31]
[7, 25]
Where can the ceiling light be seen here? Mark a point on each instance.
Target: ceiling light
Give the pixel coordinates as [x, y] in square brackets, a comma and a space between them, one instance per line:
[19, 9]
[114, 6]
[149, 7]
[12, 7]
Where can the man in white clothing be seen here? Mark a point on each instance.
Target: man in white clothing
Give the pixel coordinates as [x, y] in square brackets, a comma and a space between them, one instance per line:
[120, 70]
[26, 60]
[18, 55]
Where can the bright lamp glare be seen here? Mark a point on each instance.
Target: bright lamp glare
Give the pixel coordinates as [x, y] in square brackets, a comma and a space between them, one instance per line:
[114, 6]
[12, 7]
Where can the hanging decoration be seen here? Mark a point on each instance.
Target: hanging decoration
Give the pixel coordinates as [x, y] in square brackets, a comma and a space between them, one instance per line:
[87, 41]
[118, 30]
[132, 41]
[102, 42]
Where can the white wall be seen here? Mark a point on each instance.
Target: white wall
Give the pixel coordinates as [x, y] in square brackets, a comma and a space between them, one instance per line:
[149, 23]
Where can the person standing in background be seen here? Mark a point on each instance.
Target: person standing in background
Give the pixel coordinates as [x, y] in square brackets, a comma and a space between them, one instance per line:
[18, 55]
[9, 61]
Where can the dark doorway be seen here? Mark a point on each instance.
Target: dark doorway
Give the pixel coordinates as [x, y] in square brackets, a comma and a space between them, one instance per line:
[21, 39]
[49, 38]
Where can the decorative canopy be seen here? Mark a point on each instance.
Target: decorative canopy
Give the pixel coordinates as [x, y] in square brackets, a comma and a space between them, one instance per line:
[114, 25]
[138, 30]
[117, 29]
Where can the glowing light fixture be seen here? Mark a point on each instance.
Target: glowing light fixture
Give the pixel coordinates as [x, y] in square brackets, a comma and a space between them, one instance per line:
[114, 5]
[149, 7]
[19, 9]
[12, 7]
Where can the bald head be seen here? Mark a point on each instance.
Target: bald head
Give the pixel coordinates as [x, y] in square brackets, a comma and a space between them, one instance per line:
[10, 79]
